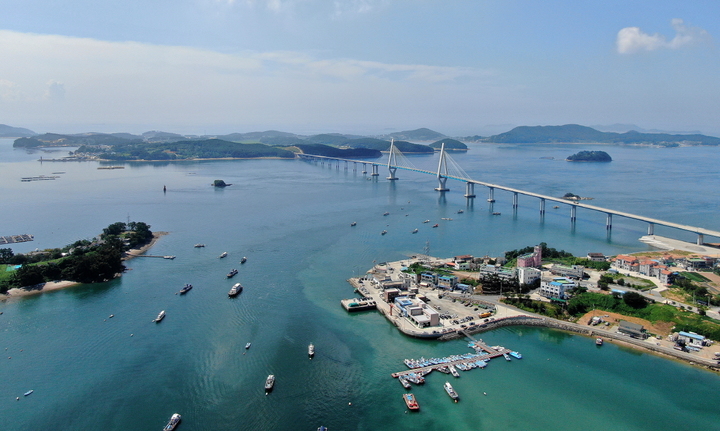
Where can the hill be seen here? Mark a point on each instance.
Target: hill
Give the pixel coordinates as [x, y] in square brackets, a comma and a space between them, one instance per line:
[422, 134]
[574, 133]
[590, 156]
[184, 150]
[450, 144]
[58, 140]
[329, 151]
[14, 132]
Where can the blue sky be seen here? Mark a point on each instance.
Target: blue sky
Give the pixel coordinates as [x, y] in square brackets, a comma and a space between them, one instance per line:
[357, 66]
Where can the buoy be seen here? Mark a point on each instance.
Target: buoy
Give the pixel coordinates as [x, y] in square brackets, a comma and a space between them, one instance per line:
[349, 404]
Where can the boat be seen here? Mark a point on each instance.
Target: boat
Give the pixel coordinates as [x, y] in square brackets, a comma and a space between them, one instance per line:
[404, 382]
[199, 245]
[495, 213]
[235, 290]
[411, 402]
[453, 371]
[599, 341]
[353, 224]
[186, 288]
[386, 213]
[383, 232]
[436, 225]
[174, 421]
[28, 392]
[447, 218]
[243, 260]
[160, 317]
[269, 383]
[322, 428]
[506, 356]
[556, 207]
[169, 257]
[311, 350]
[450, 391]
[460, 211]
[232, 273]
[516, 355]
[224, 254]
[247, 346]
[426, 221]
[415, 230]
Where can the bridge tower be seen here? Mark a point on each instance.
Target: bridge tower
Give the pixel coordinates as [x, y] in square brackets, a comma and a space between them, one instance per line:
[392, 161]
[442, 171]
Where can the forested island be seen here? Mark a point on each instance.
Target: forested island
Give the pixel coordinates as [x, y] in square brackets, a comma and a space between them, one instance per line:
[450, 144]
[590, 156]
[83, 261]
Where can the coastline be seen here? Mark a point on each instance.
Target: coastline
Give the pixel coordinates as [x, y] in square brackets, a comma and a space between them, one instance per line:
[62, 284]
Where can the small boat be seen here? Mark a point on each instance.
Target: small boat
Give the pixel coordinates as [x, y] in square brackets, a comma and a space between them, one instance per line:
[599, 341]
[199, 245]
[436, 225]
[235, 290]
[174, 421]
[386, 213]
[232, 273]
[556, 207]
[169, 257]
[269, 383]
[243, 260]
[453, 371]
[426, 221]
[383, 232]
[311, 350]
[460, 211]
[447, 218]
[224, 254]
[322, 428]
[411, 402]
[28, 392]
[353, 224]
[496, 213]
[160, 317]
[247, 346]
[415, 230]
[186, 288]
[404, 382]
[516, 355]
[506, 356]
[451, 392]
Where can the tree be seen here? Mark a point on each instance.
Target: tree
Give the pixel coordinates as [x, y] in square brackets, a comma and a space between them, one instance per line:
[634, 300]
[5, 255]
[115, 229]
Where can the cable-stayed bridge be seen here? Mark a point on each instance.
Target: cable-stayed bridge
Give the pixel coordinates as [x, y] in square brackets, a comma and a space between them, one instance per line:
[449, 169]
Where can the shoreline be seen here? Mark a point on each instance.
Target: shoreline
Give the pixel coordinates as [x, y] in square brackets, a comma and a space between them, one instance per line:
[51, 286]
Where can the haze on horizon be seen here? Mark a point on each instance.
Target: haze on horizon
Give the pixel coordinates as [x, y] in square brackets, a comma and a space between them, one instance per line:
[357, 66]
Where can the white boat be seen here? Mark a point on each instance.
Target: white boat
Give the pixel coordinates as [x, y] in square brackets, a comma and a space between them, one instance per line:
[453, 371]
[199, 245]
[383, 232]
[451, 392]
[28, 392]
[269, 383]
[516, 355]
[160, 317]
[311, 350]
[247, 346]
[404, 382]
[224, 254]
[506, 356]
[235, 290]
[599, 341]
[426, 221]
[415, 230]
[174, 421]
[169, 257]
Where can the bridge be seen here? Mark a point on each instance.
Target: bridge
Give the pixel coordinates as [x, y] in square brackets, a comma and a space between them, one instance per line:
[449, 169]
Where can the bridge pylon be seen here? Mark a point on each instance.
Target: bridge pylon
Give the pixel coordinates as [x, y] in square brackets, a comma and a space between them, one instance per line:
[442, 171]
[392, 161]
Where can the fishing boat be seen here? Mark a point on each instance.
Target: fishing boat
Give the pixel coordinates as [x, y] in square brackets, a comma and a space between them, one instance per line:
[235, 290]
[224, 254]
[404, 382]
[232, 273]
[415, 230]
[453, 371]
[426, 221]
[169, 257]
[311, 350]
[599, 341]
[269, 383]
[436, 225]
[516, 355]
[495, 213]
[506, 356]
[160, 317]
[174, 421]
[383, 232]
[247, 346]
[353, 224]
[186, 288]
[447, 218]
[460, 211]
[386, 213]
[322, 428]
[199, 245]
[243, 260]
[28, 392]
[451, 392]
[411, 402]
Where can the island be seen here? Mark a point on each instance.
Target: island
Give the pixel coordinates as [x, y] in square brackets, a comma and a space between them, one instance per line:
[590, 156]
[450, 145]
[220, 183]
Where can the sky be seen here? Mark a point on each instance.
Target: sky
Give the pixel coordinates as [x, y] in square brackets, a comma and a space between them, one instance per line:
[460, 67]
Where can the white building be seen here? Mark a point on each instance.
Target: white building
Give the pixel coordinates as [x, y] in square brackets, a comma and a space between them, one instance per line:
[528, 275]
[557, 287]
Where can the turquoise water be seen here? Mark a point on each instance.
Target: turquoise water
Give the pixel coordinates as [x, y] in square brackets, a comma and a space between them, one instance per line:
[291, 219]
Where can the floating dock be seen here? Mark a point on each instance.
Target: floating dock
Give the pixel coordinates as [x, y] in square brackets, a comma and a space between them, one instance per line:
[358, 304]
[15, 238]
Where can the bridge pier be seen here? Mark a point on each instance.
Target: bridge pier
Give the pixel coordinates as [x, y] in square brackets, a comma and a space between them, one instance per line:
[346, 165]
[441, 184]
[515, 200]
[374, 170]
[354, 166]
[700, 239]
[469, 190]
[608, 222]
[491, 196]
[651, 228]
[364, 171]
[573, 212]
[392, 176]
[542, 206]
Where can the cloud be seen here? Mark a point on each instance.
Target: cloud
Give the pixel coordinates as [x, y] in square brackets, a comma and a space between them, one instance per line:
[9, 91]
[631, 39]
[354, 7]
[55, 91]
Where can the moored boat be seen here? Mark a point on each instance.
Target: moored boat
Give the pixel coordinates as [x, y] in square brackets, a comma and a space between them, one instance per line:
[232, 273]
[169, 257]
[269, 383]
[506, 356]
[247, 346]
[186, 288]
[411, 402]
[224, 254]
[243, 260]
[235, 290]
[599, 341]
[199, 245]
[404, 382]
[415, 230]
[160, 317]
[451, 392]
[453, 371]
[516, 355]
[383, 232]
[174, 421]
[311, 350]
[436, 225]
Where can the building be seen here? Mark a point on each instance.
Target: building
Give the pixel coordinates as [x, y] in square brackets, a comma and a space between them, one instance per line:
[505, 274]
[626, 263]
[461, 266]
[429, 278]
[447, 281]
[389, 295]
[596, 257]
[418, 312]
[632, 329]
[691, 339]
[575, 271]
[528, 275]
[532, 260]
[557, 287]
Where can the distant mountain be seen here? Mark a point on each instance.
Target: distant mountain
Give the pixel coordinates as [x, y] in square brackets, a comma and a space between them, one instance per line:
[622, 128]
[422, 134]
[450, 144]
[332, 139]
[381, 145]
[330, 151]
[283, 141]
[256, 136]
[573, 133]
[14, 132]
[58, 140]
[157, 136]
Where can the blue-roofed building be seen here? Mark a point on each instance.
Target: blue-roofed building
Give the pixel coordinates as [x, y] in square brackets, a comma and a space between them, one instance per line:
[447, 281]
[691, 338]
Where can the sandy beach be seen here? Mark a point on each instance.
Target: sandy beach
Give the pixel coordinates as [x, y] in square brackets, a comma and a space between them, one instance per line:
[56, 285]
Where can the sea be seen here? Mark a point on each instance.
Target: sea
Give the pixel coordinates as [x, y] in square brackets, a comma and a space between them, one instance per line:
[291, 219]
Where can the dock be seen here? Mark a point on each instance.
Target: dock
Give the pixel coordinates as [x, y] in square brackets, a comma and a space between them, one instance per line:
[148, 255]
[359, 304]
[15, 238]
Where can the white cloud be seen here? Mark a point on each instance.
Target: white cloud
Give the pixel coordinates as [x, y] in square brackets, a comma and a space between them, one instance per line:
[351, 7]
[9, 91]
[55, 91]
[631, 39]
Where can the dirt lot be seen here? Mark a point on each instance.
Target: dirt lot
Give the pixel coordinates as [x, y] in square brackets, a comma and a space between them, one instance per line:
[659, 328]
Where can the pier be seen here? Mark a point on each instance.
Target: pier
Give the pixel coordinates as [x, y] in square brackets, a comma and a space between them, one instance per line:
[15, 238]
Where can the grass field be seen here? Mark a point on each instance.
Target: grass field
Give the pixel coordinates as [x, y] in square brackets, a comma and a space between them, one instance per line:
[694, 276]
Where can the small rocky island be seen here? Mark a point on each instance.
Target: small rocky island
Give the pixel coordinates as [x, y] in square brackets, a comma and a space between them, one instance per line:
[220, 183]
[590, 156]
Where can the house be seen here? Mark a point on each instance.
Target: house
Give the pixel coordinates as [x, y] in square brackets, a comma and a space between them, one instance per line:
[532, 260]
[596, 257]
[461, 265]
[463, 258]
[556, 287]
[430, 278]
[575, 271]
[632, 329]
[626, 263]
